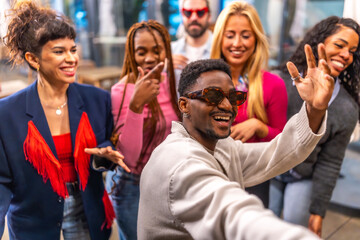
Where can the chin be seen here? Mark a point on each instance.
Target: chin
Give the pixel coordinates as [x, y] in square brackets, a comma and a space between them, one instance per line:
[223, 136]
[335, 74]
[217, 136]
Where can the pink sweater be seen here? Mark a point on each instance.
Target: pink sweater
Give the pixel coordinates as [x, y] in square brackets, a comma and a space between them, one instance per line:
[132, 138]
[275, 101]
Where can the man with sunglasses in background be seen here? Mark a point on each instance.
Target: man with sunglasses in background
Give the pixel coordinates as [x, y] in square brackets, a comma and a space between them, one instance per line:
[196, 43]
[193, 185]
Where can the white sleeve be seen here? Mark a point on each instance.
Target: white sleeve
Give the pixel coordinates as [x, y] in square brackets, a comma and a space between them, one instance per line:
[209, 206]
[262, 161]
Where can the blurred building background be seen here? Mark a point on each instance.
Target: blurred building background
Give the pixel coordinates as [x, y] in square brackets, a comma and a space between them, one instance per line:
[102, 24]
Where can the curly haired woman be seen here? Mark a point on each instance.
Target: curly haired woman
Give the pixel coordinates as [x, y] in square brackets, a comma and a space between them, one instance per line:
[303, 193]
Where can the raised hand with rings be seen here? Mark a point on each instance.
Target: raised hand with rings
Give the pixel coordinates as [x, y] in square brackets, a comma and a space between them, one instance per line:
[317, 86]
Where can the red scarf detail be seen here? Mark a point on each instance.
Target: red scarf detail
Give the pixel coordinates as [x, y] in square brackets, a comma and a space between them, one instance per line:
[39, 154]
[85, 138]
[109, 211]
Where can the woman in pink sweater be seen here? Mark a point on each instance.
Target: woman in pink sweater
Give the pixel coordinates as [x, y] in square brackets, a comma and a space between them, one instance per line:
[240, 40]
[143, 106]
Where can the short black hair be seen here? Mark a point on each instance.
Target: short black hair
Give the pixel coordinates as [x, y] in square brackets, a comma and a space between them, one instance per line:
[193, 70]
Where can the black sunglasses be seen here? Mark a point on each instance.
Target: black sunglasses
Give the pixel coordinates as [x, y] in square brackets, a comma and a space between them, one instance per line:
[214, 96]
[199, 12]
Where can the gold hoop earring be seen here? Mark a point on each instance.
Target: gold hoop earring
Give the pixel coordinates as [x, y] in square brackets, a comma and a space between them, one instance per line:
[38, 68]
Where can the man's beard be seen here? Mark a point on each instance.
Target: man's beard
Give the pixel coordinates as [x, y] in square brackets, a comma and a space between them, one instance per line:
[196, 33]
[210, 134]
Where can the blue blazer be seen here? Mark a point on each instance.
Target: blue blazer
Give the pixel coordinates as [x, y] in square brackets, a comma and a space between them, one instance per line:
[33, 209]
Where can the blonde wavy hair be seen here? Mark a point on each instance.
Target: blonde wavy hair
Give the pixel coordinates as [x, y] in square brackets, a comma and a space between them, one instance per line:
[257, 61]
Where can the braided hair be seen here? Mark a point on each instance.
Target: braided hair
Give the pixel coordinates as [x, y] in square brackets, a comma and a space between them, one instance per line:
[154, 124]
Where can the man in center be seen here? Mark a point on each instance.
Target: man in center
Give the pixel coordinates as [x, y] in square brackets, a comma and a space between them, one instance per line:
[197, 191]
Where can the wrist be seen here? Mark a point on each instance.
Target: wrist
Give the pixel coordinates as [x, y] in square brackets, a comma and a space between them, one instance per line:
[136, 107]
[262, 129]
[315, 117]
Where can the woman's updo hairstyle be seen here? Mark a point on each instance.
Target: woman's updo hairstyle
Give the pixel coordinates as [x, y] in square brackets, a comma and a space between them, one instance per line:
[31, 27]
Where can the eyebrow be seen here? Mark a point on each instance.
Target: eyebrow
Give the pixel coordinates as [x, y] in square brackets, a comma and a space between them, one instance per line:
[140, 48]
[243, 31]
[346, 42]
[60, 47]
[145, 48]
[343, 40]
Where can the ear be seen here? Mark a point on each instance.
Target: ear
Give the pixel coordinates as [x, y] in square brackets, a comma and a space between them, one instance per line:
[32, 59]
[184, 105]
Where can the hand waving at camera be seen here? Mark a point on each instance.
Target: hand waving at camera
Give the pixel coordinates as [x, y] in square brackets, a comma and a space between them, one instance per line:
[316, 87]
[146, 88]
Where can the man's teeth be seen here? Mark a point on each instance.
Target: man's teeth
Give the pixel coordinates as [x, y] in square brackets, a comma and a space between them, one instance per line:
[222, 118]
[339, 64]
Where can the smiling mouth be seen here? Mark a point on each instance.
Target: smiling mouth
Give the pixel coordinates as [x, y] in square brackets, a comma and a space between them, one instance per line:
[148, 69]
[222, 118]
[68, 69]
[338, 64]
[236, 53]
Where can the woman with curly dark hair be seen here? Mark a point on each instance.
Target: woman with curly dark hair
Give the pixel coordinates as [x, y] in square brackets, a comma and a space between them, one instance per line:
[143, 110]
[304, 192]
[52, 136]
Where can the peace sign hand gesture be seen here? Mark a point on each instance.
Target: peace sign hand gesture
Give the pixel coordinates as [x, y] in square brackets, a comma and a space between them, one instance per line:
[316, 87]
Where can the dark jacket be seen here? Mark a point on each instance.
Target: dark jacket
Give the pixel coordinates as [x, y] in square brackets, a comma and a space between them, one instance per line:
[33, 209]
[324, 163]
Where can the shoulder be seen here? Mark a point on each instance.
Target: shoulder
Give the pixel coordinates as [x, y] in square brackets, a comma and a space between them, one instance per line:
[209, 40]
[93, 99]
[174, 144]
[177, 46]
[13, 102]
[170, 153]
[117, 89]
[272, 78]
[90, 91]
[346, 107]
[119, 86]
[176, 167]
[272, 82]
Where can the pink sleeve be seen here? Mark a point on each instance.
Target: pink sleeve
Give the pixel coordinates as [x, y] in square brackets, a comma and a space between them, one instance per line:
[275, 100]
[131, 137]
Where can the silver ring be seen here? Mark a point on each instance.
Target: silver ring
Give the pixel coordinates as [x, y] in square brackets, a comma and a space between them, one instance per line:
[295, 78]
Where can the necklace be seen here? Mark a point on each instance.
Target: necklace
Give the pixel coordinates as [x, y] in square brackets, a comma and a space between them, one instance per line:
[59, 109]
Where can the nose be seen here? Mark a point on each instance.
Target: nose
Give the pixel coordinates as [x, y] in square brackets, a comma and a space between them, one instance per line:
[193, 16]
[71, 57]
[345, 54]
[225, 105]
[237, 41]
[150, 58]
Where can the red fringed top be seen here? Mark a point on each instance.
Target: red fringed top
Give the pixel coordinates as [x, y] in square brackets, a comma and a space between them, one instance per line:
[64, 151]
[39, 154]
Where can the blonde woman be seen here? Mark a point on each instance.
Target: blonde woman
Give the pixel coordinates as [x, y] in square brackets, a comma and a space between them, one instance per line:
[240, 40]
